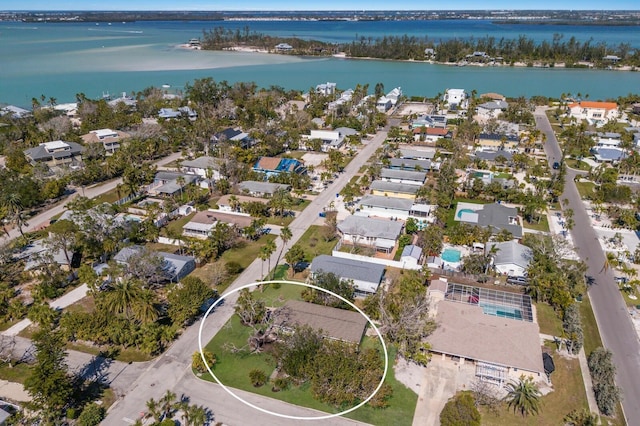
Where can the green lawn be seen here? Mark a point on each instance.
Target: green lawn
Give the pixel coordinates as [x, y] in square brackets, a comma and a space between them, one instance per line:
[577, 164]
[112, 196]
[232, 370]
[548, 320]
[314, 244]
[301, 204]
[585, 188]
[17, 374]
[280, 221]
[568, 394]
[589, 326]
[176, 225]
[542, 225]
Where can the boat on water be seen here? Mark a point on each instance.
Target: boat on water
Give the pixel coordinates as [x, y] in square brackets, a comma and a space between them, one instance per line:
[166, 86]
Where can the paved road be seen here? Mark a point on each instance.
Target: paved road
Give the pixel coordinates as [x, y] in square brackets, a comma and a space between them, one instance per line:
[42, 220]
[172, 370]
[614, 322]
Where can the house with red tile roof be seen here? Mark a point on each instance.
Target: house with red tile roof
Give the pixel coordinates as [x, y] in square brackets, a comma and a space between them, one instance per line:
[594, 112]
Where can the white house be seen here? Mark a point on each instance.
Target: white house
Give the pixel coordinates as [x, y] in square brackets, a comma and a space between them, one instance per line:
[384, 104]
[326, 89]
[491, 109]
[380, 234]
[366, 276]
[510, 258]
[394, 95]
[455, 97]
[594, 112]
[608, 140]
[202, 166]
[403, 176]
[331, 139]
[396, 208]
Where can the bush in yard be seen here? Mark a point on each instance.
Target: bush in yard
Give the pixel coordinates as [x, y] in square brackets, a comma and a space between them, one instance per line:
[460, 411]
[91, 415]
[258, 377]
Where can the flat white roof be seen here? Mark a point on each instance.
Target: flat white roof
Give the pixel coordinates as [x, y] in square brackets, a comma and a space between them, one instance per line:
[49, 146]
[101, 133]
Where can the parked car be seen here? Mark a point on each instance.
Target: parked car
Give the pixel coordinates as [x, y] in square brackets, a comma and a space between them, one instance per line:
[556, 165]
[517, 280]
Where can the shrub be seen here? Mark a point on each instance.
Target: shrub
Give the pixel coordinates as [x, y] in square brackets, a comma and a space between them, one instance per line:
[281, 383]
[460, 410]
[91, 415]
[258, 377]
[234, 268]
[603, 373]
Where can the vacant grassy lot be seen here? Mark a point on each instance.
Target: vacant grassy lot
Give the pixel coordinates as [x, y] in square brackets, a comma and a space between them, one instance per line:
[17, 374]
[314, 243]
[232, 370]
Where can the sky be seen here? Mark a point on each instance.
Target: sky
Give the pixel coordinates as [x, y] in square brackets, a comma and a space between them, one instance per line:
[320, 5]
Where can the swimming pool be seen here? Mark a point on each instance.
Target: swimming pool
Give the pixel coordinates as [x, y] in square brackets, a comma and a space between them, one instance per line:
[464, 211]
[501, 311]
[451, 255]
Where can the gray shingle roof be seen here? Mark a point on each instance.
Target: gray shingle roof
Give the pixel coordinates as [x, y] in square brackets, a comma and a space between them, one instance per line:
[414, 153]
[386, 202]
[40, 153]
[512, 252]
[370, 227]
[203, 162]
[492, 155]
[497, 216]
[348, 269]
[338, 324]
[403, 174]
[412, 251]
[401, 188]
[408, 163]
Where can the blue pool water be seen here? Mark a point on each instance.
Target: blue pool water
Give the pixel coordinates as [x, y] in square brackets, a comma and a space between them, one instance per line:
[464, 211]
[451, 255]
[501, 311]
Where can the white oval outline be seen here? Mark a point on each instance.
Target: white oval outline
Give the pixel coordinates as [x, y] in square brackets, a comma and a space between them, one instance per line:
[286, 416]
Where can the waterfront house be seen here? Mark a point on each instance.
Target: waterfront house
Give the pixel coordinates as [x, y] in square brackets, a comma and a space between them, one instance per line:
[394, 95]
[366, 276]
[275, 165]
[14, 111]
[403, 176]
[283, 47]
[262, 189]
[336, 324]
[379, 234]
[455, 98]
[326, 89]
[110, 139]
[491, 109]
[128, 101]
[383, 104]
[56, 153]
[495, 217]
[510, 258]
[594, 112]
[345, 97]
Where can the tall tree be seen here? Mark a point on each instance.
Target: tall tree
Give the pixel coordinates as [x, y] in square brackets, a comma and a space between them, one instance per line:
[49, 384]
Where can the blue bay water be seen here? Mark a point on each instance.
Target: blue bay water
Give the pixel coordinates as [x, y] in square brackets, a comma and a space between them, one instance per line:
[60, 60]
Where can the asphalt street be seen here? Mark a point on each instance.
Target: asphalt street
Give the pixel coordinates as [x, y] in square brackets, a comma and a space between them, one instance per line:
[616, 329]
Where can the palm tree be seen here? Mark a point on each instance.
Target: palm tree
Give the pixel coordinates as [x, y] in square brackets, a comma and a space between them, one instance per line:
[263, 254]
[168, 404]
[194, 415]
[154, 410]
[129, 299]
[14, 208]
[523, 396]
[270, 248]
[285, 235]
[610, 261]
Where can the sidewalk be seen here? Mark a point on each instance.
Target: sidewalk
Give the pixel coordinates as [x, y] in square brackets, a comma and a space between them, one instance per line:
[68, 299]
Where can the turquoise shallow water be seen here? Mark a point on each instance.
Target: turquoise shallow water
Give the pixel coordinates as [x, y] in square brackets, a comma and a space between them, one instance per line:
[60, 60]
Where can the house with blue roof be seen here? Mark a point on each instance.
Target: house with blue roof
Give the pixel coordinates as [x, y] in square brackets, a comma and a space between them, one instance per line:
[275, 165]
